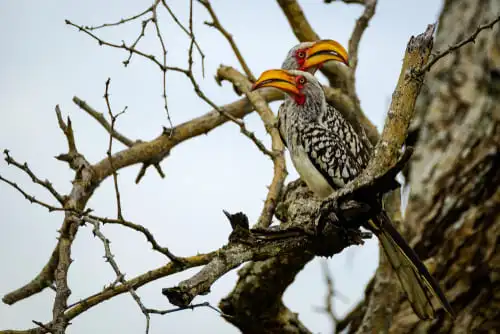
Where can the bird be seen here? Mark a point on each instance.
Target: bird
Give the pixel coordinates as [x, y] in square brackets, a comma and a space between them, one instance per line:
[309, 57]
[324, 152]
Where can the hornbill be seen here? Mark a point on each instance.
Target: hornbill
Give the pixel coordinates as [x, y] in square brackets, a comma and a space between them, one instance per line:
[309, 57]
[326, 153]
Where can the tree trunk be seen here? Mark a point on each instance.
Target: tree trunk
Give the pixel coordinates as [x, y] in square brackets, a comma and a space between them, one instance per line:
[453, 212]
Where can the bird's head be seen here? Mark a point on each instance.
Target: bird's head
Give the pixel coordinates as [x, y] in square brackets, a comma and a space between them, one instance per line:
[303, 87]
[310, 56]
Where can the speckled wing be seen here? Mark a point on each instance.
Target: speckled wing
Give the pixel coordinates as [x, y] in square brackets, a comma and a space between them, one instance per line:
[333, 120]
[329, 154]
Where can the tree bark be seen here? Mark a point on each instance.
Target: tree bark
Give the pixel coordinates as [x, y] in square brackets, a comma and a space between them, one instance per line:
[453, 212]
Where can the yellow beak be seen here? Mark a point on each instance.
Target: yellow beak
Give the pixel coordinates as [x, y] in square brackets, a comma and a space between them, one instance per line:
[323, 51]
[280, 79]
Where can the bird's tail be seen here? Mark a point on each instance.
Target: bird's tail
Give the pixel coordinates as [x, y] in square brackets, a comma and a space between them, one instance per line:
[416, 281]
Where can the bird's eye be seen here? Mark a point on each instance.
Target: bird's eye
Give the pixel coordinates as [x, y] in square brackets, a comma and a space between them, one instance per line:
[301, 80]
[301, 54]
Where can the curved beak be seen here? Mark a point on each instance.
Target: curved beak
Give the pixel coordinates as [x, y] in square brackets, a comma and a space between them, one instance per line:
[279, 79]
[323, 51]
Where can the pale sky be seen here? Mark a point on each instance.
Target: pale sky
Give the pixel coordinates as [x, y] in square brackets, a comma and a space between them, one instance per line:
[45, 62]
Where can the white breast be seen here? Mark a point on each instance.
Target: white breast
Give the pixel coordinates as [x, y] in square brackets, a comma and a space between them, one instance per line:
[311, 176]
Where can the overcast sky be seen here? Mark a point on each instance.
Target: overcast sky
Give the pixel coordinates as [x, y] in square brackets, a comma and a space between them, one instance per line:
[45, 62]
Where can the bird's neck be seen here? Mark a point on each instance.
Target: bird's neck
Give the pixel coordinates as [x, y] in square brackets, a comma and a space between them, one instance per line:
[309, 110]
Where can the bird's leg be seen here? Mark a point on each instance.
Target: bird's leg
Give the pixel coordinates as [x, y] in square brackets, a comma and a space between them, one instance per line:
[327, 213]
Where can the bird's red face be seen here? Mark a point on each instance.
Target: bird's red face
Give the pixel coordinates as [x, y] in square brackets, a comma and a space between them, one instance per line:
[284, 81]
[312, 58]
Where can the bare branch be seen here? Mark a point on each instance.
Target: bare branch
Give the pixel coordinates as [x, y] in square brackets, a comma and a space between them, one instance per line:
[217, 25]
[153, 162]
[149, 236]
[132, 49]
[188, 72]
[124, 46]
[222, 111]
[359, 29]
[110, 259]
[330, 293]
[470, 39]
[300, 25]
[269, 120]
[109, 151]
[161, 146]
[144, 25]
[244, 245]
[313, 237]
[29, 197]
[183, 28]
[122, 21]
[24, 167]
[254, 245]
[403, 102]
[164, 59]
[99, 117]
[67, 129]
[135, 283]
[43, 280]
[189, 307]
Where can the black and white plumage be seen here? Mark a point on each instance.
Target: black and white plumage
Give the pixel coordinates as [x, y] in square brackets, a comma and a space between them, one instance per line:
[357, 144]
[321, 138]
[327, 154]
[308, 57]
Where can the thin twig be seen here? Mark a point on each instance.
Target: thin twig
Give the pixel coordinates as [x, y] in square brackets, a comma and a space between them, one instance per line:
[140, 228]
[330, 294]
[159, 147]
[124, 46]
[132, 49]
[41, 325]
[67, 129]
[471, 39]
[164, 59]
[189, 307]
[25, 168]
[120, 276]
[30, 198]
[99, 117]
[75, 309]
[122, 21]
[188, 72]
[183, 28]
[109, 151]
[144, 25]
[357, 33]
[199, 92]
[217, 25]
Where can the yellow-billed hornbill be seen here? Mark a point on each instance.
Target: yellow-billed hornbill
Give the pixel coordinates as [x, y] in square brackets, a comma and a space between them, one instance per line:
[327, 153]
[309, 57]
